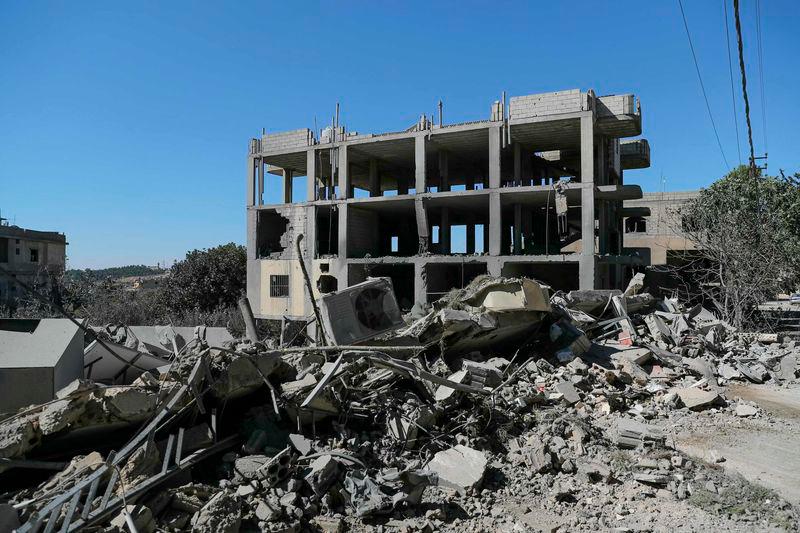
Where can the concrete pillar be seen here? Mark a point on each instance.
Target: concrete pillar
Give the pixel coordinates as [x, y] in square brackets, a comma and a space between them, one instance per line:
[251, 181]
[344, 173]
[286, 186]
[444, 231]
[423, 229]
[494, 157]
[420, 178]
[444, 171]
[311, 175]
[495, 224]
[341, 274]
[517, 164]
[252, 232]
[260, 173]
[517, 229]
[587, 260]
[420, 283]
[374, 178]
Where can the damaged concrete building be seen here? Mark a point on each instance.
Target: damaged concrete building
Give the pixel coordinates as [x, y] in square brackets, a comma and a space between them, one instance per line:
[436, 205]
[32, 257]
[653, 227]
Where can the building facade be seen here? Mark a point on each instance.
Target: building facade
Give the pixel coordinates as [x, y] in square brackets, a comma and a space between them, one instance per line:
[32, 257]
[436, 205]
[653, 226]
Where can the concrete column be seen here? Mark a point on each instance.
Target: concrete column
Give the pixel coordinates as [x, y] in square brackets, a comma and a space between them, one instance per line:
[495, 224]
[311, 175]
[252, 232]
[517, 229]
[587, 260]
[344, 173]
[341, 271]
[517, 164]
[494, 157]
[444, 231]
[420, 178]
[444, 171]
[374, 178]
[251, 181]
[286, 185]
[260, 172]
[420, 283]
[423, 229]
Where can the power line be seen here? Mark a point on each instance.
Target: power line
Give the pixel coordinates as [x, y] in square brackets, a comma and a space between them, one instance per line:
[702, 86]
[730, 71]
[761, 75]
[744, 83]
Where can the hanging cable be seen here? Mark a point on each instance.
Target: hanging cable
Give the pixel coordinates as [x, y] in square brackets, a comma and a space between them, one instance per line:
[702, 86]
[744, 84]
[730, 71]
[761, 75]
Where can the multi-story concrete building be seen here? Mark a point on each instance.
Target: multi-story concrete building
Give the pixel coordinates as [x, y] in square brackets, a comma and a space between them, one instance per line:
[31, 257]
[437, 204]
[653, 226]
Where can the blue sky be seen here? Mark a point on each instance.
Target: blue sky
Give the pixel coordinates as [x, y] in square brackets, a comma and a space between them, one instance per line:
[125, 124]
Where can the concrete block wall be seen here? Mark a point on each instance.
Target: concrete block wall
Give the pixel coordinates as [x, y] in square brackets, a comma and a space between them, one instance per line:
[286, 140]
[537, 105]
[615, 104]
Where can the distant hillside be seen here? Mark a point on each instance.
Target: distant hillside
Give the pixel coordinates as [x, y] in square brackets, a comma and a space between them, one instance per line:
[116, 272]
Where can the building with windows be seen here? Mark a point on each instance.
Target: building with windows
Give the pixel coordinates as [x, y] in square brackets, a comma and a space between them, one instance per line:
[535, 189]
[30, 256]
[653, 226]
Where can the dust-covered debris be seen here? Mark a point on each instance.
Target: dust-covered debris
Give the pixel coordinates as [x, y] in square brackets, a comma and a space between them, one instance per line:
[501, 408]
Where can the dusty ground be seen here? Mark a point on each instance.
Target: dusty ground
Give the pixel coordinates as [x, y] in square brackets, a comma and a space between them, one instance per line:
[764, 450]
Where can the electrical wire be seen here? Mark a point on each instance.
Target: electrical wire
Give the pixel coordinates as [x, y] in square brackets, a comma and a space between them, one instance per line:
[702, 86]
[730, 71]
[761, 75]
[744, 84]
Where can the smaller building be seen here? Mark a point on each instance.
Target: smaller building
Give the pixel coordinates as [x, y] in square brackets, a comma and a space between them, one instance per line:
[33, 257]
[38, 357]
[653, 226]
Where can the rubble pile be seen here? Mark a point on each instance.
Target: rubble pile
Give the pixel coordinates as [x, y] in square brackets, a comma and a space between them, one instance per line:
[500, 395]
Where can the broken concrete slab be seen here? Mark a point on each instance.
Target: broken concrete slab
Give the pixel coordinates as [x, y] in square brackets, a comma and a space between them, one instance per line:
[698, 399]
[459, 468]
[745, 410]
[569, 392]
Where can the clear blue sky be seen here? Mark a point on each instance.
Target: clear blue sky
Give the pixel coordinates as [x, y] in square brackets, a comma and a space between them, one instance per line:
[125, 124]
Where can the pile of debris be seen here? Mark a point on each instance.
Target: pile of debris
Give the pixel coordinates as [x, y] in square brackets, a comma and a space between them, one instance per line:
[499, 391]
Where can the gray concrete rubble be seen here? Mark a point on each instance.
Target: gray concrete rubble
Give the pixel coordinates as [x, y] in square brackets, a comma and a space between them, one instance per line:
[500, 395]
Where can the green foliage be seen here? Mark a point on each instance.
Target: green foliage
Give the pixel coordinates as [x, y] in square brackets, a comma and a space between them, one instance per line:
[207, 279]
[201, 289]
[114, 272]
[747, 228]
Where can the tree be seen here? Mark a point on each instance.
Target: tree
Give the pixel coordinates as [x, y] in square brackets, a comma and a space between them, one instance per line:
[746, 228]
[207, 279]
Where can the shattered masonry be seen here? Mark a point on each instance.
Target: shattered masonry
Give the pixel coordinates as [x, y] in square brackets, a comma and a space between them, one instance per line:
[500, 393]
